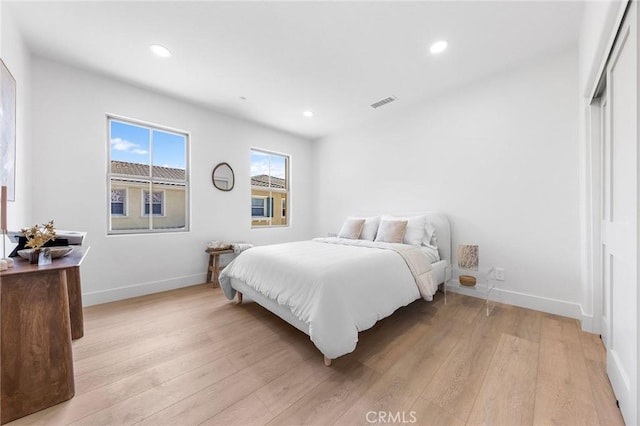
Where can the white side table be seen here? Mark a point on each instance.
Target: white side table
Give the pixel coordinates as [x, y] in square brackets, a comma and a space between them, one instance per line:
[482, 289]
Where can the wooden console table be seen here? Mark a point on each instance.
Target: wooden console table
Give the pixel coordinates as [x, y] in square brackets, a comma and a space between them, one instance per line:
[40, 312]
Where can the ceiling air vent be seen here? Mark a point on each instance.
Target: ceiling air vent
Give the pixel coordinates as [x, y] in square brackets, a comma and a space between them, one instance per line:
[383, 102]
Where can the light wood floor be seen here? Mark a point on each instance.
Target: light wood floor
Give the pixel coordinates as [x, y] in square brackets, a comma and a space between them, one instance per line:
[191, 357]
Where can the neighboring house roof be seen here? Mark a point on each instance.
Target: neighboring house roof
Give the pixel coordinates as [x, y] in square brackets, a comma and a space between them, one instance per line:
[263, 180]
[136, 169]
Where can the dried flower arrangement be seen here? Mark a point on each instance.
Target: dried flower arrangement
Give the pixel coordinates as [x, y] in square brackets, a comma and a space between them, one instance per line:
[37, 236]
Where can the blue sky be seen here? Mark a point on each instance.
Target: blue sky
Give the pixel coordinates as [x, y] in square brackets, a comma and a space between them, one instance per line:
[132, 144]
[263, 163]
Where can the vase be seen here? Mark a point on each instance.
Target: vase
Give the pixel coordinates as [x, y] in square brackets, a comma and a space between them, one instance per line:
[34, 256]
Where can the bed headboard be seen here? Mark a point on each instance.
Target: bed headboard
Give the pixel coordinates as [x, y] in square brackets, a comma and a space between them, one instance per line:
[443, 233]
[438, 220]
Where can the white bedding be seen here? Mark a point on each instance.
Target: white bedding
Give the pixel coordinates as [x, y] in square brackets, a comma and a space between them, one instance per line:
[337, 288]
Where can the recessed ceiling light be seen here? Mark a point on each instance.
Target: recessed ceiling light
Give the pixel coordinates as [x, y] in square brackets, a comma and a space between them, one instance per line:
[438, 47]
[308, 114]
[161, 51]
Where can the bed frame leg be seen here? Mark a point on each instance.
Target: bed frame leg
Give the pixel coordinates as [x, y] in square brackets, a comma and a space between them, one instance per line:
[239, 298]
[327, 361]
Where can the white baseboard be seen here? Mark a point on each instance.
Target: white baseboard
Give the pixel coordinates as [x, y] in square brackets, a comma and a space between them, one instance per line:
[588, 323]
[523, 300]
[121, 293]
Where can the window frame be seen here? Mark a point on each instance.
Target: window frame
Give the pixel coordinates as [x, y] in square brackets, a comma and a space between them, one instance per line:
[271, 191]
[149, 181]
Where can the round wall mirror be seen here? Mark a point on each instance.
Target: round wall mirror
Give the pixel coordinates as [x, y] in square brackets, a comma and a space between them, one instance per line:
[222, 177]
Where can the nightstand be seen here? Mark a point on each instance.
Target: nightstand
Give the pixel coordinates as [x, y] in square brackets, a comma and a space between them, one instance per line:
[214, 264]
[485, 284]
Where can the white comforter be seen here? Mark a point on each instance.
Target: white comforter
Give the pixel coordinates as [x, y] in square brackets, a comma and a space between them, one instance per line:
[338, 287]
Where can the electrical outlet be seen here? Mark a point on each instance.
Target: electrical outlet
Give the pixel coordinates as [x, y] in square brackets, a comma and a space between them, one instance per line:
[499, 274]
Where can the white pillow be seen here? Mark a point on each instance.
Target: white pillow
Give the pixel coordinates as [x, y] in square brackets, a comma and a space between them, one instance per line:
[431, 252]
[351, 229]
[370, 227]
[414, 234]
[429, 235]
[391, 231]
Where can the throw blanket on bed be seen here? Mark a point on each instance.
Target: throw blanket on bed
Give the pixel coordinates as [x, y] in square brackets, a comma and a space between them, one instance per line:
[337, 287]
[418, 263]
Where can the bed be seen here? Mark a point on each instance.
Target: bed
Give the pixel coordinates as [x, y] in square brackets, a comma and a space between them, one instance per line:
[332, 288]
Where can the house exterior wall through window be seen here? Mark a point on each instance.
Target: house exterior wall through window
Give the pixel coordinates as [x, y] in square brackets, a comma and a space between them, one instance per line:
[269, 188]
[148, 182]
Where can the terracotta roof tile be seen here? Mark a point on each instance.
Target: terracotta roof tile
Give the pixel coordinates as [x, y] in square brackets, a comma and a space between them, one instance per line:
[263, 180]
[136, 169]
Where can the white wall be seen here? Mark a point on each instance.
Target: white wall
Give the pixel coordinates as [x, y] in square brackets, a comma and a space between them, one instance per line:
[69, 168]
[500, 157]
[18, 60]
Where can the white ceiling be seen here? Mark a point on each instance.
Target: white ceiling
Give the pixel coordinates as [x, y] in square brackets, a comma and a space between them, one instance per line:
[334, 58]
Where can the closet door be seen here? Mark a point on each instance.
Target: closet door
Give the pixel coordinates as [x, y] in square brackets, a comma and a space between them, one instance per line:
[620, 219]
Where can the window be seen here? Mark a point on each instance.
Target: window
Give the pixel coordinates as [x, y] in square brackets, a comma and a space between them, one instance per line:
[156, 204]
[148, 178]
[269, 188]
[118, 202]
[261, 207]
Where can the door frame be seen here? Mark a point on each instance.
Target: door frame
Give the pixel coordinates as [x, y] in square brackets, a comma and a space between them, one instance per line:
[593, 181]
[594, 140]
[594, 210]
